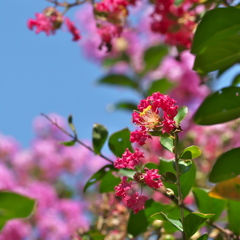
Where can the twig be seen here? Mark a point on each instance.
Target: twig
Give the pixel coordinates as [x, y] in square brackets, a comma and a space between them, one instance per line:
[75, 138]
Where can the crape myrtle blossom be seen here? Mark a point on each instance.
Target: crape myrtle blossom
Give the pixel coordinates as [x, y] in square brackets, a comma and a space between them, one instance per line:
[149, 177]
[50, 20]
[156, 112]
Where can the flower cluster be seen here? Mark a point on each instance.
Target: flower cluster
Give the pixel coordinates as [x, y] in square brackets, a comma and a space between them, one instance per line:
[149, 177]
[156, 112]
[177, 23]
[50, 20]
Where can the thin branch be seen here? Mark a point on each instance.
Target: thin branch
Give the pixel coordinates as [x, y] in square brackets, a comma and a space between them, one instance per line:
[74, 138]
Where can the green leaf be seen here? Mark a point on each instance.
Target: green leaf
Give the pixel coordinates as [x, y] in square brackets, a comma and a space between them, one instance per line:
[71, 125]
[187, 179]
[176, 223]
[118, 80]
[13, 205]
[127, 172]
[119, 142]
[109, 62]
[167, 142]
[162, 86]
[99, 137]
[203, 237]
[153, 57]
[68, 144]
[151, 165]
[216, 42]
[178, 2]
[169, 177]
[236, 80]
[226, 166]
[126, 106]
[93, 235]
[97, 176]
[190, 153]
[139, 222]
[193, 221]
[184, 166]
[182, 112]
[219, 107]
[207, 204]
[234, 216]
[108, 182]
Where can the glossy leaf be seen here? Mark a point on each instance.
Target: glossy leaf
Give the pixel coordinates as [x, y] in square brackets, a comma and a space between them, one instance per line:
[130, 106]
[207, 204]
[93, 235]
[68, 144]
[118, 80]
[108, 182]
[119, 142]
[98, 176]
[182, 112]
[167, 142]
[190, 152]
[226, 166]
[162, 86]
[216, 42]
[13, 205]
[127, 172]
[187, 179]
[229, 189]
[234, 216]
[161, 216]
[193, 221]
[139, 222]
[153, 57]
[99, 137]
[169, 177]
[184, 166]
[219, 107]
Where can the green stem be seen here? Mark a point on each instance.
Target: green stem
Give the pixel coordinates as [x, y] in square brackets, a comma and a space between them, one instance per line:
[180, 200]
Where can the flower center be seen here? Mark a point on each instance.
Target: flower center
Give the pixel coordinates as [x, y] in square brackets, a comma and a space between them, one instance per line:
[150, 118]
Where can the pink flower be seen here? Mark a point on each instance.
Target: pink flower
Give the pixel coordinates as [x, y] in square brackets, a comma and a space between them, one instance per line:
[140, 136]
[129, 160]
[72, 29]
[136, 202]
[152, 178]
[123, 187]
[156, 112]
[42, 24]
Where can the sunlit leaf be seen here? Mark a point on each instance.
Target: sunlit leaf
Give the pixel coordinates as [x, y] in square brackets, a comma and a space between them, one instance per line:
[226, 166]
[119, 142]
[207, 204]
[108, 182]
[68, 144]
[182, 112]
[13, 205]
[162, 86]
[118, 80]
[184, 166]
[236, 80]
[190, 152]
[203, 237]
[229, 189]
[161, 216]
[98, 176]
[216, 42]
[99, 137]
[193, 221]
[130, 106]
[167, 142]
[153, 57]
[219, 107]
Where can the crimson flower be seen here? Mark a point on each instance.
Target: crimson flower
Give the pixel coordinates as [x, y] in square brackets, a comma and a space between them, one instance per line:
[72, 29]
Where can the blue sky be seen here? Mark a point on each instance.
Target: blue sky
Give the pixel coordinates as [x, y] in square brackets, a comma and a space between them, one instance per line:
[49, 74]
